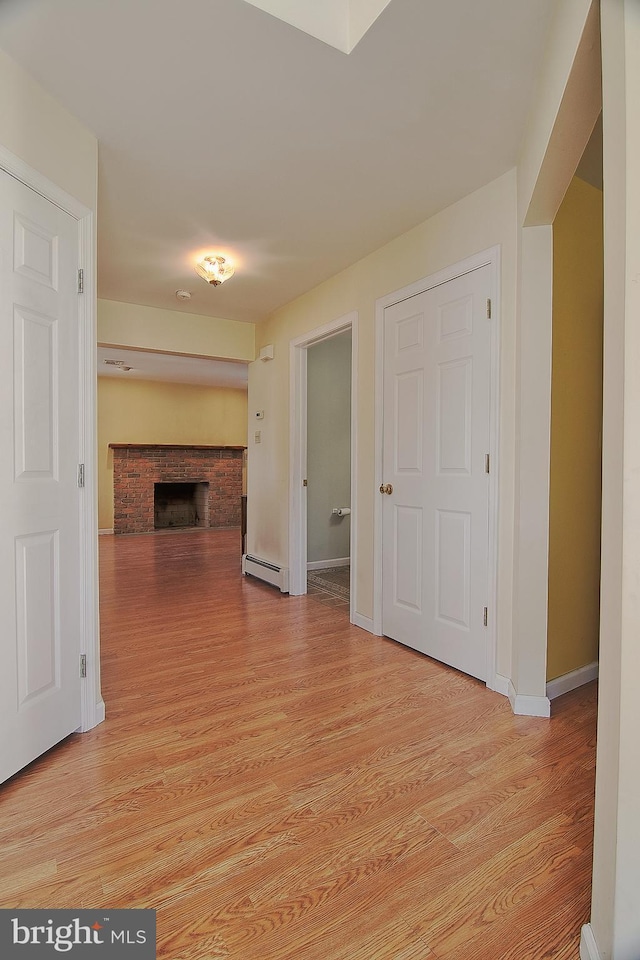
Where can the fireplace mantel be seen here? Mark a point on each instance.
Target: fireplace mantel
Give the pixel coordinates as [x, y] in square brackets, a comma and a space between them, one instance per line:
[172, 446]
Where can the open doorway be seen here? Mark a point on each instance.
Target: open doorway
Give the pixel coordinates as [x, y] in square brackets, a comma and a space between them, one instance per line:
[329, 468]
[172, 435]
[322, 543]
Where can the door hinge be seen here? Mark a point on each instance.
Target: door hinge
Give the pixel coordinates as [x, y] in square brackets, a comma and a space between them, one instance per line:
[80, 281]
[487, 463]
[83, 666]
[488, 308]
[81, 474]
[485, 617]
[305, 483]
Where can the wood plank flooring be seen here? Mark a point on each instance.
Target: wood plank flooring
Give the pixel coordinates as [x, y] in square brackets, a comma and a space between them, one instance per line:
[280, 784]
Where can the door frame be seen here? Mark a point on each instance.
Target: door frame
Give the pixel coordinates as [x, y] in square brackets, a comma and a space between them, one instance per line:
[92, 704]
[491, 258]
[298, 452]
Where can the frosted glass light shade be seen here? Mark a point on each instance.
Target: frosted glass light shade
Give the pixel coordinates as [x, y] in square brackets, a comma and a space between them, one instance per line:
[214, 270]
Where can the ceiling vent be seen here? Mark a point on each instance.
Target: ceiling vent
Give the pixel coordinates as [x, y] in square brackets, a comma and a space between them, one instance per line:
[120, 364]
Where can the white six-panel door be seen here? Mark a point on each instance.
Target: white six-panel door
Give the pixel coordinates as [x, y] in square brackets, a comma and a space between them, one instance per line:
[437, 348]
[40, 700]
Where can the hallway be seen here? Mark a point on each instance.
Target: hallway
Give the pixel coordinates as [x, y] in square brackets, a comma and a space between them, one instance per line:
[280, 784]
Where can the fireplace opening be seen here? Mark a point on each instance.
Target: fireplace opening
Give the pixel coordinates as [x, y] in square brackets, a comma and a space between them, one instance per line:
[180, 505]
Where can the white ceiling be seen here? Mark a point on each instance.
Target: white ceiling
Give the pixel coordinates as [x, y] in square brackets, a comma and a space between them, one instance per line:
[223, 129]
[171, 368]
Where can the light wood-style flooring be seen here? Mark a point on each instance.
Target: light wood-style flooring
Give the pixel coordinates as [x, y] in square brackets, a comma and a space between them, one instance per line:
[280, 784]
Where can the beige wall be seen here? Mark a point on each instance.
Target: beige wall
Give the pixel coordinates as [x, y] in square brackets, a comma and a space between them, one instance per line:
[576, 430]
[37, 129]
[142, 411]
[169, 331]
[485, 218]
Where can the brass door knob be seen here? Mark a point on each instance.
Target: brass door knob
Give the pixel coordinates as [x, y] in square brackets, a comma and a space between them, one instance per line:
[386, 488]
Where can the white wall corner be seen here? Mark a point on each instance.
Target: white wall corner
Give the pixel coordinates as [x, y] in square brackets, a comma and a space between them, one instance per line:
[533, 425]
[573, 680]
[500, 685]
[588, 945]
[100, 712]
[93, 714]
[526, 706]
[365, 623]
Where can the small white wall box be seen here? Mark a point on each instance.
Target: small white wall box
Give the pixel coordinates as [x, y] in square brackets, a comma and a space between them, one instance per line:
[266, 352]
[259, 414]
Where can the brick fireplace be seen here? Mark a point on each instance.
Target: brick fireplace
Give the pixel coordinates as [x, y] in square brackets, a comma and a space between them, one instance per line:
[214, 472]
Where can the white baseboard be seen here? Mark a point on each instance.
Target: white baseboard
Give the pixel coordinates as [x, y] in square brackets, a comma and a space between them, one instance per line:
[588, 946]
[325, 564]
[365, 623]
[500, 685]
[96, 716]
[106, 530]
[525, 706]
[573, 680]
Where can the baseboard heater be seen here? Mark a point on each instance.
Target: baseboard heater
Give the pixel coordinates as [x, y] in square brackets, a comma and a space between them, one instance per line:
[255, 567]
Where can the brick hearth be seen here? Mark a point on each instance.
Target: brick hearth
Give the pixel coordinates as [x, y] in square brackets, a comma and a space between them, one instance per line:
[137, 467]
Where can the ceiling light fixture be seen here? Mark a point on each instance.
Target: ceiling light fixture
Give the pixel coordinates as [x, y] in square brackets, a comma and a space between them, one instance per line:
[214, 270]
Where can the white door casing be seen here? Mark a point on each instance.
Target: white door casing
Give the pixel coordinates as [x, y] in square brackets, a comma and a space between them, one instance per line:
[47, 584]
[436, 530]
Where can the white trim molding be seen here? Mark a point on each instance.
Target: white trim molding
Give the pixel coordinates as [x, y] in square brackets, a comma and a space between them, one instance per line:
[491, 258]
[93, 708]
[19, 170]
[365, 623]
[500, 685]
[105, 531]
[573, 680]
[92, 704]
[328, 564]
[525, 706]
[588, 946]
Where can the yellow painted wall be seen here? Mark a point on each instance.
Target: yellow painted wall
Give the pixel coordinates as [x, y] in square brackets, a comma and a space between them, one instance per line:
[143, 411]
[481, 220]
[576, 432]
[170, 331]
